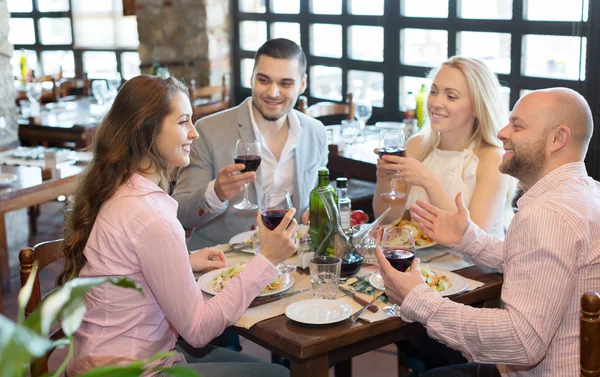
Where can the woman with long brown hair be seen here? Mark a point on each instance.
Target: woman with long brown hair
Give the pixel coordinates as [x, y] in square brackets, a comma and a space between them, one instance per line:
[123, 223]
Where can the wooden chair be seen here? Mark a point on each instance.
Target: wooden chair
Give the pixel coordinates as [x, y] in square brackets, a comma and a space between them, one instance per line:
[203, 98]
[45, 253]
[323, 109]
[590, 335]
[69, 88]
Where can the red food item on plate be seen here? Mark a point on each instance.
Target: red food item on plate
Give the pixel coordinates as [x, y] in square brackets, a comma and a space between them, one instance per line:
[359, 216]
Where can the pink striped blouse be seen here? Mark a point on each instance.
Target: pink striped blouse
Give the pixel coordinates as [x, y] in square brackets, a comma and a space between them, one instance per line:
[137, 234]
[550, 257]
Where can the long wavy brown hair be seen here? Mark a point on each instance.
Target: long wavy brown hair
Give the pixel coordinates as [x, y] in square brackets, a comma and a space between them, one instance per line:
[125, 142]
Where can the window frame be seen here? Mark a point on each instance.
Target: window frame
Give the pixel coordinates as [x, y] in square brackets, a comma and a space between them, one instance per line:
[38, 47]
[391, 67]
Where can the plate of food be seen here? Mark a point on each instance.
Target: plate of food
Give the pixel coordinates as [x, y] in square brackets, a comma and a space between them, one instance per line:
[421, 239]
[445, 283]
[213, 282]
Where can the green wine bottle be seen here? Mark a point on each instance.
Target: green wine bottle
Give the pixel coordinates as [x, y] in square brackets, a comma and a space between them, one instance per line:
[319, 222]
[421, 111]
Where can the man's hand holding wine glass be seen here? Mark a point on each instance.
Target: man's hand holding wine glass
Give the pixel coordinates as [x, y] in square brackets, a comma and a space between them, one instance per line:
[230, 181]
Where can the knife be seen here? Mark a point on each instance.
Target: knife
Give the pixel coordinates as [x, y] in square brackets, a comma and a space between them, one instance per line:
[265, 300]
[372, 308]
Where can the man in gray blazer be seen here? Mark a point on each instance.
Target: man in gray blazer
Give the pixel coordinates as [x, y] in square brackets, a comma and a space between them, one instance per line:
[293, 148]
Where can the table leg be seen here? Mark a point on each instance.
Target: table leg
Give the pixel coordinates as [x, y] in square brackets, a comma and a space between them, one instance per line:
[314, 368]
[4, 270]
[343, 369]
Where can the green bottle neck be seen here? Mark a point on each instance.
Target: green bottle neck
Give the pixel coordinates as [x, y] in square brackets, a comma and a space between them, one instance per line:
[323, 181]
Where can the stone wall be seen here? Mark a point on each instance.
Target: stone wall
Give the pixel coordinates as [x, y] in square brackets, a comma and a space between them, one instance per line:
[190, 37]
[8, 108]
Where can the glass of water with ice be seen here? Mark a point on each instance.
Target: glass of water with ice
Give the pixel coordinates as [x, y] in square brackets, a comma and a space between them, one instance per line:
[325, 276]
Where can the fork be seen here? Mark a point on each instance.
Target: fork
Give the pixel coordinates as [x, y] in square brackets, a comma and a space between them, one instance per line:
[376, 294]
[236, 247]
[436, 257]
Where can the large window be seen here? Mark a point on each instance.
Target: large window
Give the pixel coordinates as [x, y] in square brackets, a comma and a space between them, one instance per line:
[74, 37]
[384, 49]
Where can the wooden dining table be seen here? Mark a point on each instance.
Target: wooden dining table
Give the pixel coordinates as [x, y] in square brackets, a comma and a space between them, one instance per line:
[30, 190]
[312, 349]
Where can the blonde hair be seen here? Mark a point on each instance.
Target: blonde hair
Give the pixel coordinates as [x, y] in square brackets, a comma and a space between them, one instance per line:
[487, 104]
[489, 114]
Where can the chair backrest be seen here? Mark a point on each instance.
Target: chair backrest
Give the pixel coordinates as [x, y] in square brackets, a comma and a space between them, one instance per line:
[49, 95]
[210, 99]
[71, 87]
[590, 335]
[322, 109]
[45, 253]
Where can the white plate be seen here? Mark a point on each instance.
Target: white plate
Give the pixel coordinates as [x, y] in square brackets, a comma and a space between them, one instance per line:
[241, 238]
[459, 284]
[7, 179]
[318, 311]
[390, 125]
[206, 283]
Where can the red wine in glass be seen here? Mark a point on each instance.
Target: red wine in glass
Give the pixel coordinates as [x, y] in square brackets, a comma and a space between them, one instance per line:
[272, 217]
[396, 151]
[252, 162]
[399, 258]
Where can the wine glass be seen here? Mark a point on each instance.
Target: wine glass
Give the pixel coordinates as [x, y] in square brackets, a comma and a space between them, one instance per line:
[392, 141]
[114, 82]
[363, 111]
[273, 207]
[247, 152]
[99, 91]
[398, 247]
[34, 94]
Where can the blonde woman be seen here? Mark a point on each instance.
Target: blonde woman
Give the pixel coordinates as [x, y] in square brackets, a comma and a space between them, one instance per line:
[458, 150]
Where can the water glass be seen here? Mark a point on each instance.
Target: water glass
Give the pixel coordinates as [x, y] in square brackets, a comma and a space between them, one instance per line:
[325, 276]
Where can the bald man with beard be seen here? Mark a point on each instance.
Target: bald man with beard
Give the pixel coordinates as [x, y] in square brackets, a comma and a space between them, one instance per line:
[549, 258]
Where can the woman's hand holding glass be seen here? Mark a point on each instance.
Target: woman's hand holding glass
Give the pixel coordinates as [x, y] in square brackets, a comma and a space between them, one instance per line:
[412, 171]
[277, 233]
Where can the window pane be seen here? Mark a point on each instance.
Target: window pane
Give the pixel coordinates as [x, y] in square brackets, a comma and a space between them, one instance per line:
[87, 6]
[21, 31]
[424, 8]
[423, 47]
[365, 43]
[289, 30]
[491, 48]
[326, 40]
[53, 5]
[371, 8]
[53, 61]
[556, 10]
[252, 6]
[326, 6]
[20, 6]
[486, 9]
[99, 64]
[410, 84]
[56, 31]
[130, 64]
[32, 62]
[252, 34]
[366, 85]
[86, 32]
[126, 34]
[285, 6]
[552, 56]
[505, 98]
[246, 67]
[326, 82]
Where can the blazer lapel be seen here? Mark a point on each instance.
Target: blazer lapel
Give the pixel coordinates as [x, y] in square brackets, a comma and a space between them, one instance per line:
[246, 132]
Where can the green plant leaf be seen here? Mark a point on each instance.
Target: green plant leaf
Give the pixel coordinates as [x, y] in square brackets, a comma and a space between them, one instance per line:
[72, 316]
[114, 371]
[179, 371]
[25, 292]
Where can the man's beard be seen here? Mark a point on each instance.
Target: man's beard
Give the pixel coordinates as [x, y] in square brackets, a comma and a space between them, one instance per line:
[270, 118]
[526, 165]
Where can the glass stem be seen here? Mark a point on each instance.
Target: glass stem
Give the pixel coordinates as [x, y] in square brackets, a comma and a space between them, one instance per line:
[246, 192]
[392, 184]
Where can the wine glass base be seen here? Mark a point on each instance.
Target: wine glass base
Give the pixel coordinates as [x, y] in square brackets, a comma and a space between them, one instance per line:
[392, 311]
[286, 268]
[392, 195]
[245, 205]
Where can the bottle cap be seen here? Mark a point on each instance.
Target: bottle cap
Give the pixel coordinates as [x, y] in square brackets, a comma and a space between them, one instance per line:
[323, 171]
[341, 182]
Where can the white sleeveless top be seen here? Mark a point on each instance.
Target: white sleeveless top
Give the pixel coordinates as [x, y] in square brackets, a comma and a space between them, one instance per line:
[457, 172]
